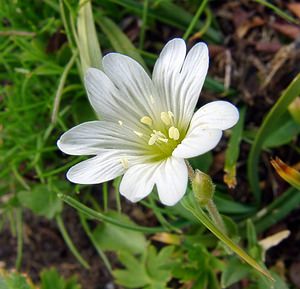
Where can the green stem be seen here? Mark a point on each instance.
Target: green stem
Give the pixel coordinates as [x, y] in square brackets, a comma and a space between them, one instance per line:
[205, 220]
[116, 185]
[206, 25]
[61, 85]
[144, 22]
[195, 19]
[69, 242]
[103, 218]
[105, 196]
[278, 11]
[215, 215]
[94, 242]
[19, 223]
[160, 217]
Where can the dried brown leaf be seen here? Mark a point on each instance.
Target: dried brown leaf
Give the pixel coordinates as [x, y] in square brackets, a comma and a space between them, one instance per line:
[289, 30]
[294, 8]
[249, 24]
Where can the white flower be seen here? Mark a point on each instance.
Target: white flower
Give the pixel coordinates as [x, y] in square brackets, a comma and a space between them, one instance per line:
[148, 126]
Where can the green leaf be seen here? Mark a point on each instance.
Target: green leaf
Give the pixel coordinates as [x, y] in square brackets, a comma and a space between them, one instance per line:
[264, 283]
[96, 215]
[228, 206]
[50, 279]
[268, 126]
[14, 281]
[251, 234]
[119, 40]
[234, 271]
[233, 151]
[41, 200]
[277, 210]
[158, 264]
[110, 237]
[286, 131]
[87, 42]
[172, 14]
[151, 270]
[202, 162]
[134, 276]
[190, 204]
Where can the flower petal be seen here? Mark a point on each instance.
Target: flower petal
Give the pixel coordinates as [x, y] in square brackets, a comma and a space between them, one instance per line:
[133, 83]
[166, 73]
[216, 115]
[179, 78]
[197, 142]
[193, 74]
[91, 138]
[138, 181]
[97, 170]
[171, 180]
[108, 101]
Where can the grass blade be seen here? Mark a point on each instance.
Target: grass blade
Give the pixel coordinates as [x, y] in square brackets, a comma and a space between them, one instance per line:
[60, 88]
[103, 218]
[118, 39]
[278, 11]
[171, 14]
[70, 244]
[264, 131]
[277, 210]
[88, 45]
[233, 151]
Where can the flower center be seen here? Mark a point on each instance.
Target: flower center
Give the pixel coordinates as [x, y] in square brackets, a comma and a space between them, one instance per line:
[158, 137]
[163, 136]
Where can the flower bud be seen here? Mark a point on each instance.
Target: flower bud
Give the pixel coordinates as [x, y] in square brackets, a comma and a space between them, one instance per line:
[203, 187]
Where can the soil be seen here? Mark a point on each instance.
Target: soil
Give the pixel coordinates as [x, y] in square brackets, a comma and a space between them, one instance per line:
[45, 248]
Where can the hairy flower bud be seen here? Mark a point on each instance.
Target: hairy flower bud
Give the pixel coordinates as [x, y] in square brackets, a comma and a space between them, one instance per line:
[203, 187]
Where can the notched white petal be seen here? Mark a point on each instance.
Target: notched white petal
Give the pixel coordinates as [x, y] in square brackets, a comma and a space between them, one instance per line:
[132, 81]
[197, 142]
[166, 74]
[138, 181]
[192, 78]
[97, 170]
[171, 181]
[91, 138]
[216, 115]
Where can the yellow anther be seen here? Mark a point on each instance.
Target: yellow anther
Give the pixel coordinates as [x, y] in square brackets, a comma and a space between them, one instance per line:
[174, 133]
[157, 136]
[165, 117]
[146, 120]
[124, 163]
[120, 122]
[139, 134]
[152, 139]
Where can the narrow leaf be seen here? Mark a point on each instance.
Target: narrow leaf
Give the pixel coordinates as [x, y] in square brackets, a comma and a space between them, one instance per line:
[266, 128]
[204, 219]
[118, 39]
[88, 45]
[288, 173]
[233, 151]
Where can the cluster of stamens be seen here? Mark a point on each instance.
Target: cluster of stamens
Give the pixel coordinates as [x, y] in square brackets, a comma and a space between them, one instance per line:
[161, 135]
[157, 136]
